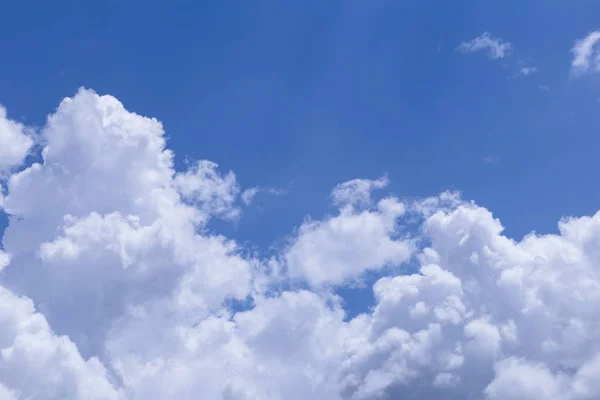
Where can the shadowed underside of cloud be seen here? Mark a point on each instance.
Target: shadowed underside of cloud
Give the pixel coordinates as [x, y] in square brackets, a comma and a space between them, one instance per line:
[111, 288]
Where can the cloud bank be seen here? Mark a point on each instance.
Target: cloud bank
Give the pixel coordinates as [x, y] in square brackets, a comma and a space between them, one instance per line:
[111, 287]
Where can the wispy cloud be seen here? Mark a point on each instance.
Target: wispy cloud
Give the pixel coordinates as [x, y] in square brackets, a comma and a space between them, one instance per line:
[490, 159]
[523, 70]
[249, 194]
[277, 191]
[586, 55]
[526, 71]
[495, 47]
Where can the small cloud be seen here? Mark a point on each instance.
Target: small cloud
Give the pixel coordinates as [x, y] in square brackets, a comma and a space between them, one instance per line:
[277, 191]
[212, 192]
[490, 159]
[4, 260]
[543, 88]
[248, 195]
[586, 55]
[526, 71]
[496, 47]
[523, 70]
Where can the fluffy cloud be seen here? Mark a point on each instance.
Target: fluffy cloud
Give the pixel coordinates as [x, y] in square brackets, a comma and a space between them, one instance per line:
[586, 56]
[114, 289]
[37, 364]
[4, 260]
[346, 245]
[15, 143]
[203, 186]
[495, 47]
[105, 223]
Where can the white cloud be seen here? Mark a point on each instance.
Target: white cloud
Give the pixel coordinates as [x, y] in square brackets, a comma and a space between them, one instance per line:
[15, 143]
[277, 191]
[586, 55]
[202, 185]
[4, 260]
[357, 192]
[526, 71]
[249, 194]
[518, 379]
[344, 246]
[7, 394]
[103, 224]
[132, 294]
[495, 47]
[490, 159]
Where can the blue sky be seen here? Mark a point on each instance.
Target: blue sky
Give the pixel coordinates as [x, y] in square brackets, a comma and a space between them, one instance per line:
[297, 98]
[308, 94]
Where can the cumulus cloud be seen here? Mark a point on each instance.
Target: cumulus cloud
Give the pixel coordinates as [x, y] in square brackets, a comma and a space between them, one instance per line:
[204, 186]
[15, 143]
[495, 47]
[104, 222]
[36, 363]
[114, 289]
[357, 192]
[4, 260]
[586, 55]
[344, 246]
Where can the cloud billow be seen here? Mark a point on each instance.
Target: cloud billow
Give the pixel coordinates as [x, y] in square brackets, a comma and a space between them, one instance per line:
[586, 55]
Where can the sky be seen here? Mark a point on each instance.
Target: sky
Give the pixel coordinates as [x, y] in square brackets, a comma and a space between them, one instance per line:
[291, 200]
